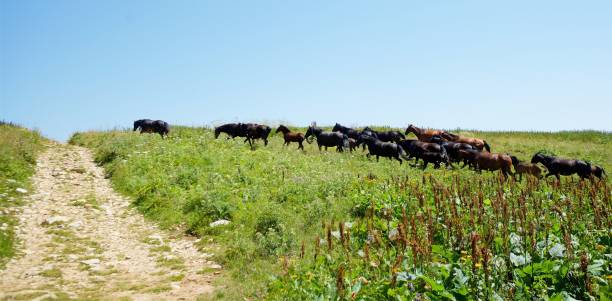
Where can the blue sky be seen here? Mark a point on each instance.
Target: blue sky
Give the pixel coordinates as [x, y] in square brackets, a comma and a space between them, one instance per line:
[521, 65]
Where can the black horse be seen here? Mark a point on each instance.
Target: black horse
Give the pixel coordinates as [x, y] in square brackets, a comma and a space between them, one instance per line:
[385, 136]
[452, 148]
[351, 133]
[382, 149]
[255, 131]
[567, 167]
[152, 126]
[598, 171]
[328, 139]
[231, 129]
[416, 148]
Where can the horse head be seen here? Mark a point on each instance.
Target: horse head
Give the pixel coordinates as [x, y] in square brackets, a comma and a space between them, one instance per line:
[137, 124]
[411, 128]
[538, 158]
[337, 127]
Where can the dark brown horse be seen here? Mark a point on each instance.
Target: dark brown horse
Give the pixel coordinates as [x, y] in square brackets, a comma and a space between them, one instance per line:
[426, 135]
[256, 131]
[566, 167]
[327, 139]
[290, 136]
[492, 162]
[152, 126]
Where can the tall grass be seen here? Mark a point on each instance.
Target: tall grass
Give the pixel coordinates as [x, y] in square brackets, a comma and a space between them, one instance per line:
[279, 199]
[18, 150]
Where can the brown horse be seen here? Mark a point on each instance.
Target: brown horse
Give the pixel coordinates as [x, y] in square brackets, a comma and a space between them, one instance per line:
[521, 167]
[426, 135]
[475, 142]
[291, 136]
[492, 162]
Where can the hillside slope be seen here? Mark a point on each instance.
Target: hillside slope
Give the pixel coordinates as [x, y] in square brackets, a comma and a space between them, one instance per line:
[278, 198]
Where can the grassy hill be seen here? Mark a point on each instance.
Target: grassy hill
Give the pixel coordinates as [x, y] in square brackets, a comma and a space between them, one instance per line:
[18, 150]
[326, 225]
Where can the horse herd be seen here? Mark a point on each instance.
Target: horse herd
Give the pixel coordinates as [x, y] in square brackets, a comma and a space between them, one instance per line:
[431, 146]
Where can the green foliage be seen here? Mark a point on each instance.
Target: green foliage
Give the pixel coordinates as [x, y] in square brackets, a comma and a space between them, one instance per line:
[278, 199]
[18, 150]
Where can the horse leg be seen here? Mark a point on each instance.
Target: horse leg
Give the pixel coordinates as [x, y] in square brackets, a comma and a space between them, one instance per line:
[377, 157]
[425, 162]
[398, 159]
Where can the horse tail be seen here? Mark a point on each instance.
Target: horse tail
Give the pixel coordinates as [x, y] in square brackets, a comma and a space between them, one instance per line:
[486, 146]
[515, 161]
[217, 132]
[267, 132]
[402, 152]
[345, 141]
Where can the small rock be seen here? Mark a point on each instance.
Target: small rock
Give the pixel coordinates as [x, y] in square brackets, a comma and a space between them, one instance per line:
[91, 262]
[175, 285]
[54, 220]
[21, 190]
[76, 225]
[215, 266]
[11, 180]
[220, 222]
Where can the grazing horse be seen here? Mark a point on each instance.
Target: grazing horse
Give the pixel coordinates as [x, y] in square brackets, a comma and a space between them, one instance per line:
[327, 139]
[290, 136]
[525, 167]
[380, 148]
[351, 133]
[152, 126]
[566, 167]
[231, 129]
[426, 135]
[256, 131]
[598, 171]
[492, 162]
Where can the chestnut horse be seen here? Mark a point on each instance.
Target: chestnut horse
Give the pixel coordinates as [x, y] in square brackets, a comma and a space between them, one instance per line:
[426, 135]
[492, 162]
[521, 167]
[291, 136]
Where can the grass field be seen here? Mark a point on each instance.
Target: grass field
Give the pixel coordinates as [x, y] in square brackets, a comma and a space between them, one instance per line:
[18, 149]
[318, 226]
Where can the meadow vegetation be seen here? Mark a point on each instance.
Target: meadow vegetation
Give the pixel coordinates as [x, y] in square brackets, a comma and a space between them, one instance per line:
[18, 150]
[325, 225]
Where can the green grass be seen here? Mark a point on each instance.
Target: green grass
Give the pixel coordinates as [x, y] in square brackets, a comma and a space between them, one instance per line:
[278, 197]
[18, 150]
[52, 273]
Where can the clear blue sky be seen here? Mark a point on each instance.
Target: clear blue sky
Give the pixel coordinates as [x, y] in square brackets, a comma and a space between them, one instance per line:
[511, 65]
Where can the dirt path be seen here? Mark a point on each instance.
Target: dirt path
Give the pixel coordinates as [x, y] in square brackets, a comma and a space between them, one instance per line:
[81, 240]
